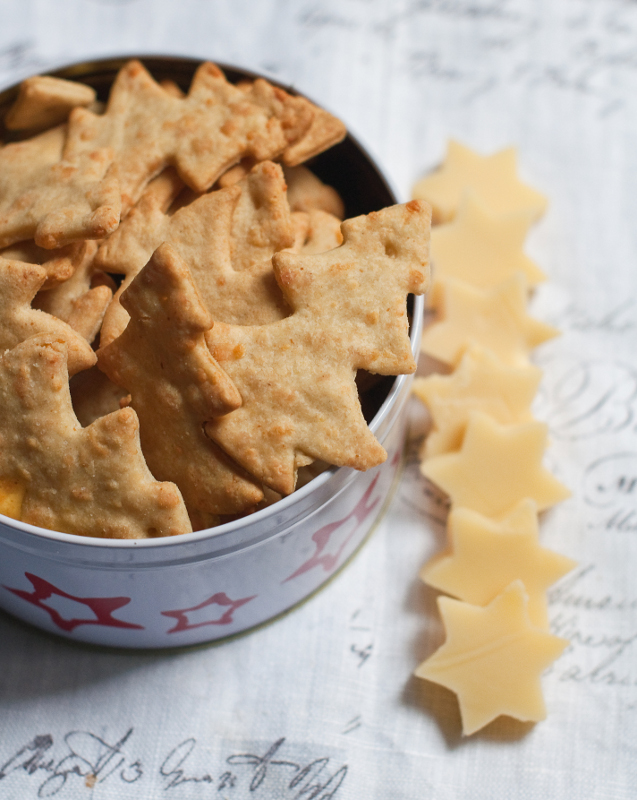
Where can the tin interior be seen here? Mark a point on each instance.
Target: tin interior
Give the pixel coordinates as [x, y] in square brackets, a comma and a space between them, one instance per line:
[352, 172]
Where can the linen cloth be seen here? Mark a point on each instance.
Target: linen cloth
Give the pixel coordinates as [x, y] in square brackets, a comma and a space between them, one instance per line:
[321, 704]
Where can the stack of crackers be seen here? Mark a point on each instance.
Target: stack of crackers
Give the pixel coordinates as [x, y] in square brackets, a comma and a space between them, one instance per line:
[183, 311]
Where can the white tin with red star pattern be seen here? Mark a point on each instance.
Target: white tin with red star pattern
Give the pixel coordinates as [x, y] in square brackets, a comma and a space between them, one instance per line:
[211, 584]
[206, 585]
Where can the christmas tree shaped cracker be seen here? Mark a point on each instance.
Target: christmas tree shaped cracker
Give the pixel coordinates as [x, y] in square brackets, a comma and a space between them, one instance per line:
[19, 283]
[88, 481]
[176, 386]
[201, 134]
[56, 197]
[297, 376]
[227, 237]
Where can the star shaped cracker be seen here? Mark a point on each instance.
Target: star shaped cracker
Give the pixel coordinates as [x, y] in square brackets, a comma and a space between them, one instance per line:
[492, 659]
[497, 466]
[19, 283]
[55, 196]
[162, 359]
[87, 481]
[486, 555]
[349, 313]
[493, 179]
[495, 319]
[481, 382]
[227, 237]
[481, 248]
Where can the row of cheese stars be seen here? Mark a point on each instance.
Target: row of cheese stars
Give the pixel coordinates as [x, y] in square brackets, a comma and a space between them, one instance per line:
[485, 449]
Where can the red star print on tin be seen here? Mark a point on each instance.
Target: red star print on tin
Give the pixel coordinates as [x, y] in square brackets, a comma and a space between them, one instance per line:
[322, 537]
[102, 607]
[218, 599]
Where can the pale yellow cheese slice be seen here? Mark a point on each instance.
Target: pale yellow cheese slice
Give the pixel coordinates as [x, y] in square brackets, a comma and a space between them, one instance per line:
[493, 179]
[486, 555]
[497, 466]
[481, 382]
[493, 658]
[494, 318]
[481, 248]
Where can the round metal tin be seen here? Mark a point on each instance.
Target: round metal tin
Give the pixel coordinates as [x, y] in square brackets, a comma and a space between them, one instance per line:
[212, 584]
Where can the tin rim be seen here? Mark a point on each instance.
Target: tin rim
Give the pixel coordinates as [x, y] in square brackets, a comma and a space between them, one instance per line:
[79, 69]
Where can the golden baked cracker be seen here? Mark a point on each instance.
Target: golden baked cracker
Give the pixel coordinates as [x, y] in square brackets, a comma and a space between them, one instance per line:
[161, 358]
[316, 232]
[87, 481]
[54, 196]
[305, 140]
[325, 131]
[19, 282]
[94, 395]
[59, 264]
[227, 237]
[363, 283]
[75, 301]
[349, 313]
[11, 497]
[301, 230]
[172, 88]
[88, 311]
[201, 135]
[236, 173]
[44, 101]
[307, 192]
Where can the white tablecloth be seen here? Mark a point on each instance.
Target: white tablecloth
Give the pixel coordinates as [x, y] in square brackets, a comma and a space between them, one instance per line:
[322, 704]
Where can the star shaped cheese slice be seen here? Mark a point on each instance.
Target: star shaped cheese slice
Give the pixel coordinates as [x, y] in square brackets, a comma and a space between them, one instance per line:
[481, 248]
[481, 382]
[492, 659]
[493, 179]
[498, 466]
[494, 318]
[485, 556]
